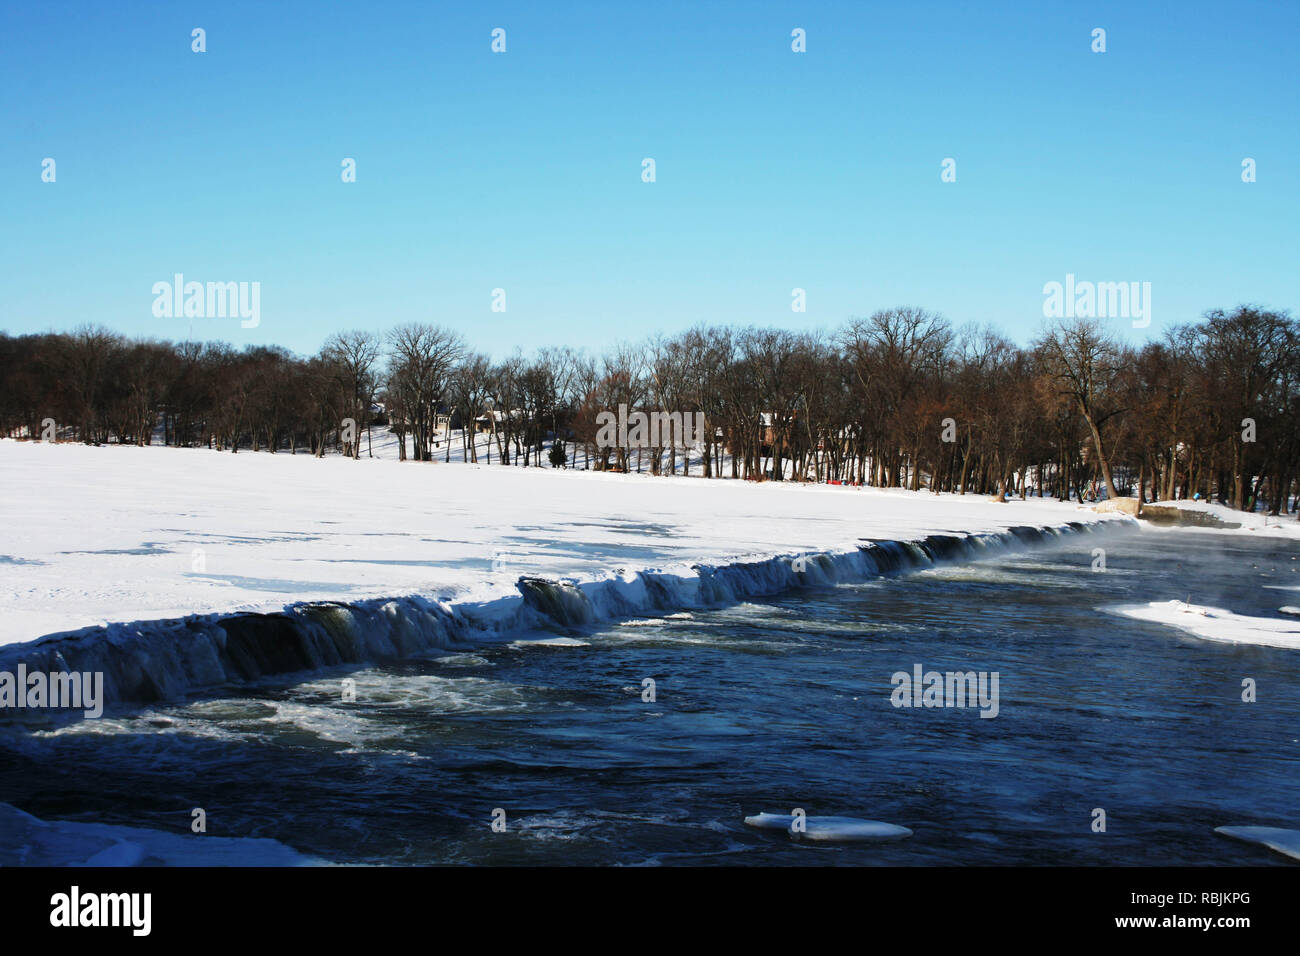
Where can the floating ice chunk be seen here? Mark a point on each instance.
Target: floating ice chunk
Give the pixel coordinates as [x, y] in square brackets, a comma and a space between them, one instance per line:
[1215, 623]
[770, 821]
[1289, 609]
[121, 853]
[831, 829]
[551, 642]
[1278, 839]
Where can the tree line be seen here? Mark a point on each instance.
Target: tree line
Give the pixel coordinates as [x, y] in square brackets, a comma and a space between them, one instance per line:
[897, 399]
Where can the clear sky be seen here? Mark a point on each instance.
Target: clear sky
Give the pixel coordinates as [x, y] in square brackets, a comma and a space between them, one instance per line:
[522, 170]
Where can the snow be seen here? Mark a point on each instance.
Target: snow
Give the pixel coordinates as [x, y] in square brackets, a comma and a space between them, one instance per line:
[121, 533]
[1277, 839]
[1216, 624]
[1253, 523]
[28, 841]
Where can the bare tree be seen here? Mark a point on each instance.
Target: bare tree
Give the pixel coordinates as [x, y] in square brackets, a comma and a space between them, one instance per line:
[421, 361]
[355, 354]
[1084, 361]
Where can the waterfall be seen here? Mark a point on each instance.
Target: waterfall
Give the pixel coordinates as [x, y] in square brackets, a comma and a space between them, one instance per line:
[149, 661]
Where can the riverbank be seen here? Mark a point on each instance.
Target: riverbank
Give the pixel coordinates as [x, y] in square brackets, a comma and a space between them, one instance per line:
[96, 536]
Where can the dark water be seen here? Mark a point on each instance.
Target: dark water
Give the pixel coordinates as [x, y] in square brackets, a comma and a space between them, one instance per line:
[760, 707]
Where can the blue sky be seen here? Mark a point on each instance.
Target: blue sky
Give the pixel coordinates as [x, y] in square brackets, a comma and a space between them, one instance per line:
[522, 170]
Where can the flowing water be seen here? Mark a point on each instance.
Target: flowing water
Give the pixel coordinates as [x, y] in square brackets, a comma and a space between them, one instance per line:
[765, 705]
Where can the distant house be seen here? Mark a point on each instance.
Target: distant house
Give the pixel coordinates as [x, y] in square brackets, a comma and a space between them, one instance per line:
[397, 422]
[767, 433]
[485, 422]
[768, 422]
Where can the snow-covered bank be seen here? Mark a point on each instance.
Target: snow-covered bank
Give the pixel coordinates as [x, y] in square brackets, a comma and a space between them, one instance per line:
[28, 841]
[585, 547]
[1221, 519]
[116, 534]
[150, 661]
[1216, 624]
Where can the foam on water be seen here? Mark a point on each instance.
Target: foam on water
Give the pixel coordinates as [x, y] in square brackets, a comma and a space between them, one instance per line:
[314, 710]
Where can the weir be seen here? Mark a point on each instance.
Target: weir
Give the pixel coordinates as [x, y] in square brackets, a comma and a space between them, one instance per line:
[150, 661]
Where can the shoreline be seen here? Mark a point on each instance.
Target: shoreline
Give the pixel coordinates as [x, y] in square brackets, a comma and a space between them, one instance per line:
[146, 662]
[115, 535]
